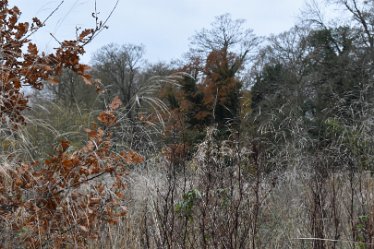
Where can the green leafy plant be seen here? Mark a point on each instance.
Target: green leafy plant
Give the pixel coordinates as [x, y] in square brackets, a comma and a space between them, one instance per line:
[186, 205]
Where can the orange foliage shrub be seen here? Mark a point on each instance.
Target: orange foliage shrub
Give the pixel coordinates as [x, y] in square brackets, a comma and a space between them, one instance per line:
[67, 197]
[65, 200]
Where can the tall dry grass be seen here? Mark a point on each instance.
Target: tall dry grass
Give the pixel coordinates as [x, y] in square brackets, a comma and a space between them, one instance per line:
[223, 199]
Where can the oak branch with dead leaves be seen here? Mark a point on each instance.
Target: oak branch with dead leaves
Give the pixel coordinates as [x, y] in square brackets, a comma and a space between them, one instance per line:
[22, 64]
[65, 200]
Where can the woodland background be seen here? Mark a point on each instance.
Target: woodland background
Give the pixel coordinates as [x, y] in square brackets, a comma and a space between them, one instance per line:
[245, 142]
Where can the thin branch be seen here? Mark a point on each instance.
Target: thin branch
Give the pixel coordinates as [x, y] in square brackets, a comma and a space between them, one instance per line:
[100, 25]
[334, 240]
[46, 19]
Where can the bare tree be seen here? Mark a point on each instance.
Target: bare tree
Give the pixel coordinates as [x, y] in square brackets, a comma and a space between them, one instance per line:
[72, 91]
[225, 33]
[118, 67]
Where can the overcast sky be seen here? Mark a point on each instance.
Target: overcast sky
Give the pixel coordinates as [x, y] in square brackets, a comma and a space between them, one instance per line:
[162, 26]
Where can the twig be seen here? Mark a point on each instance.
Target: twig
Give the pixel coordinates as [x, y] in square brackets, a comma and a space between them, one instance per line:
[334, 240]
[100, 26]
[46, 19]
